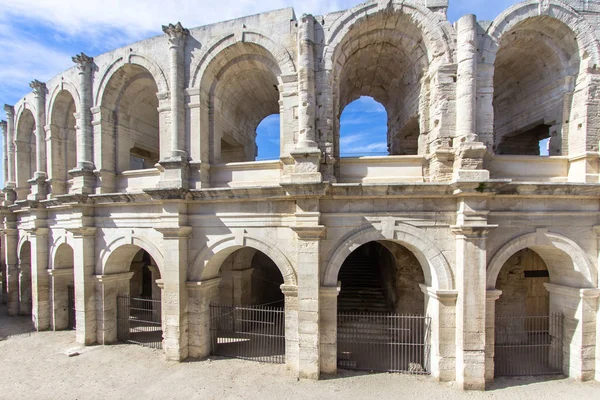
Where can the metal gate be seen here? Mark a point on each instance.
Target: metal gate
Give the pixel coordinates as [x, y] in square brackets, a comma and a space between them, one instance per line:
[528, 345]
[383, 342]
[71, 306]
[139, 321]
[254, 333]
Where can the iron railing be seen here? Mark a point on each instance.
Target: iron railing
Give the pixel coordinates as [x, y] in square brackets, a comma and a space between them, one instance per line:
[254, 333]
[383, 342]
[528, 345]
[71, 307]
[139, 321]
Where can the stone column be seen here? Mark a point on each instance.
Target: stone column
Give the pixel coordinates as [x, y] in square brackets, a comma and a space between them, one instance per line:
[157, 285]
[579, 308]
[201, 295]
[10, 181]
[174, 168]
[11, 241]
[3, 268]
[328, 327]
[468, 164]
[108, 288]
[25, 285]
[306, 155]
[40, 295]
[4, 128]
[59, 297]
[39, 188]
[290, 293]
[490, 332]
[470, 306]
[174, 295]
[309, 234]
[441, 308]
[84, 265]
[84, 179]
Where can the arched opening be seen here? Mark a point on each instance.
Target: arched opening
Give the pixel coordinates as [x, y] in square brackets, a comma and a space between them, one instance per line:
[25, 289]
[528, 340]
[63, 156]
[384, 57]
[242, 88]
[62, 289]
[363, 129]
[535, 74]
[247, 317]
[268, 138]
[25, 145]
[131, 98]
[381, 323]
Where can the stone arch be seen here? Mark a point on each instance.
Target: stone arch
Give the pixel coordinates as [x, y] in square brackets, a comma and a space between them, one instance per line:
[436, 268]
[64, 85]
[137, 59]
[438, 40]
[117, 255]
[507, 20]
[208, 263]
[557, 44]
[556, 251]
[22, 240]
[55, 249]
[214, 48]
[26, 105]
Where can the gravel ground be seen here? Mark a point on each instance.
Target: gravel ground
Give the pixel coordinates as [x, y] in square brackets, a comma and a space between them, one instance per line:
[37, 366]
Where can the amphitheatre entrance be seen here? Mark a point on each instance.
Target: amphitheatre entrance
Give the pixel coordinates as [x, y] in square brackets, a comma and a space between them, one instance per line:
[528, 338]
[247, 318]
[381, 321]
[139, 318]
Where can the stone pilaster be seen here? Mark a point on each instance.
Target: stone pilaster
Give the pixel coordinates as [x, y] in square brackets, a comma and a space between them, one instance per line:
[84, 264]
[471, 234]
[175, 168]
[4, 128]
[468, 162]
[175, 291]
[441, 307]
[306, 155]
[200, 296]
[108, 288]
[328, 328]
[10, 146]
[84, 179]
[291, 327]
[309, 234]
[40, 294]
[39, 186]
[11, 241]
[579, 308]
[490, 332]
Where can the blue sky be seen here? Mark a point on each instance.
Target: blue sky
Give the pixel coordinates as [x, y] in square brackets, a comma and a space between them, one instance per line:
[38, 40]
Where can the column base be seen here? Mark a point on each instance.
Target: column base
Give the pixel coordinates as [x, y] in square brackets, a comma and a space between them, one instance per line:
[174, 172]
[83, 181]
[39, 187]
[306, 166]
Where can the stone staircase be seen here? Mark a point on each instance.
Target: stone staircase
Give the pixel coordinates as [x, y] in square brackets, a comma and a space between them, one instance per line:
[361, 286]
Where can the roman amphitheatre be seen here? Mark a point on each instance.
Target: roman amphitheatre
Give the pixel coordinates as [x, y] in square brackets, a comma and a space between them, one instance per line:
[135, 211]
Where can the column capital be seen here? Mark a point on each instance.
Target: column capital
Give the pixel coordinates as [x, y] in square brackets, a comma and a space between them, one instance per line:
[84, 62]
[175, 232]
[472, 231]
[330, 291]
[309, 232]
[83, 232]
[39, 88]
[9, 110]
[583, 293]
[492, 294]
[447, 297]
[177, 33]
[289, 290]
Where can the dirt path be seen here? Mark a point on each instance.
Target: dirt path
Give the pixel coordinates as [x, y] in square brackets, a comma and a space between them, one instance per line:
[36, 366]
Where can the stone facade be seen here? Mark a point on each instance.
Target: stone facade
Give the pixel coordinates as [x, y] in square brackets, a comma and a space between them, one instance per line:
[151, 147]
